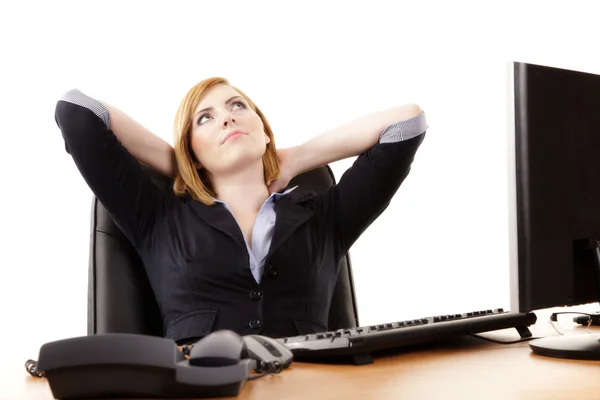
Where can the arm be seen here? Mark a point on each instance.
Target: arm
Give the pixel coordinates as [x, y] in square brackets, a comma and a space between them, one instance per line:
[348, 140]
[112, 173]
[387, 143]
[144, 145]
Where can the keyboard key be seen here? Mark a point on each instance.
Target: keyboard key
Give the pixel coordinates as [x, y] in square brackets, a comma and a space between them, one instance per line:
[294, 339]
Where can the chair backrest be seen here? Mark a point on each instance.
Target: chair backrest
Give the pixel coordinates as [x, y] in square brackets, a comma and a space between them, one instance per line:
[120, 299]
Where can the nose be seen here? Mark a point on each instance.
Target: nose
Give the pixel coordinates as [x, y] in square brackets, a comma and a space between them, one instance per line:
[227, 120]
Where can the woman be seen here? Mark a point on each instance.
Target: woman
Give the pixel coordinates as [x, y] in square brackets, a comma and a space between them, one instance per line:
[226, 249]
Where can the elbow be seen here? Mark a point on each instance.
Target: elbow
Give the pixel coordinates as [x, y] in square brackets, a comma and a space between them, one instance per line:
[408, 122]
[62, 120]
[63, 108]
[65, 115]
[75, 110]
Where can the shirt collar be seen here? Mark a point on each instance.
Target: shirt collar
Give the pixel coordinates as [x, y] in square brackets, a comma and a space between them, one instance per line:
[276, 196]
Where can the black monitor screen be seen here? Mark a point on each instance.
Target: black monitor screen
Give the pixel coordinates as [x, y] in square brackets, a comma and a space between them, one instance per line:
[554, 185]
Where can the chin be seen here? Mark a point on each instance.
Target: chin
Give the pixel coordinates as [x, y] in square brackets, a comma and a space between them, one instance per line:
[236, 162]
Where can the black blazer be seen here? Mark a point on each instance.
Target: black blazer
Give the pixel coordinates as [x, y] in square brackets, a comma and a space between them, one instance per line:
[195, 255]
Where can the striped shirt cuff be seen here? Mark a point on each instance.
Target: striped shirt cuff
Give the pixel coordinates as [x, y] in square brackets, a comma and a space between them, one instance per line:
[75, 96]
[404, 130]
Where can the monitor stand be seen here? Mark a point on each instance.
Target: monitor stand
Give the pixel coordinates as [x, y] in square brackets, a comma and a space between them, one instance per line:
[579, 346]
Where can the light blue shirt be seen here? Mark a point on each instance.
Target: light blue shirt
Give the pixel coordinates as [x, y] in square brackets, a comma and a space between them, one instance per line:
[262, 232]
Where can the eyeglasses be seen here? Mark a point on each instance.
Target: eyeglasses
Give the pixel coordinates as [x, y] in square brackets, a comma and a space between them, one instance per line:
[571, 322]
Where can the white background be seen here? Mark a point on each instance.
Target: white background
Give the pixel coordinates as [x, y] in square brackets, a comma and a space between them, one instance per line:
[442, 245]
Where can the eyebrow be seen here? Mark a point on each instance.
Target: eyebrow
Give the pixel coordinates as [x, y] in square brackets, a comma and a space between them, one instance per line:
[210, 108]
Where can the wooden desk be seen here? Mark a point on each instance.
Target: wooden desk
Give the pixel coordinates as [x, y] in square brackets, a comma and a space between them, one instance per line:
[468, 368]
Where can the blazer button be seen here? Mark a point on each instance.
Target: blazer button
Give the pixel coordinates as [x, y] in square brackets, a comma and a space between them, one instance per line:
[255, 324]
[273, 270]
[256, 295]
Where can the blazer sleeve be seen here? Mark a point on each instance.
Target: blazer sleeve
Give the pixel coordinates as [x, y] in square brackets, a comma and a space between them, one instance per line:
[366, 188]
[114, 176]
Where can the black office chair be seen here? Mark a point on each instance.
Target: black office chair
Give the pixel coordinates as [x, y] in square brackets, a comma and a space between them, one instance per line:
[119, 295]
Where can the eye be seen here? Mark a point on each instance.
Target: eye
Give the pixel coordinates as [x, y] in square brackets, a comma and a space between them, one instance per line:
[203, 118]
[239, 104]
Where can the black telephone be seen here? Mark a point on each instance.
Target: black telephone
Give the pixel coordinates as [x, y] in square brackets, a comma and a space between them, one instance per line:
[118, 365]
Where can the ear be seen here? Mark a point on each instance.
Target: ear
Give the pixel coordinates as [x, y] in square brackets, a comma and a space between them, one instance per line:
[267, 139]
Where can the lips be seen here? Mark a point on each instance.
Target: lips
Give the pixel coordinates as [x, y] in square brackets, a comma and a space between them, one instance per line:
[232, 133]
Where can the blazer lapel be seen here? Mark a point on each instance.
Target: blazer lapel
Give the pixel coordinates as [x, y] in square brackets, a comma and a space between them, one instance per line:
[219, 218]
[291, 213]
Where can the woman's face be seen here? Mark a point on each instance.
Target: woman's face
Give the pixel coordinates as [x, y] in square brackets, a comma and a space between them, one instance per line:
[226, 133]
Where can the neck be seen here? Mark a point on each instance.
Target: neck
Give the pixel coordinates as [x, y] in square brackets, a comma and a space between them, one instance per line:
[243, 189]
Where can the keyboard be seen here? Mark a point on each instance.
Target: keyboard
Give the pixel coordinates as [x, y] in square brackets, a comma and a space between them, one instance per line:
[358, 343]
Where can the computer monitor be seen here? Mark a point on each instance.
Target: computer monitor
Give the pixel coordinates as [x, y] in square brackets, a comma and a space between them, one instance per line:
[554, 207]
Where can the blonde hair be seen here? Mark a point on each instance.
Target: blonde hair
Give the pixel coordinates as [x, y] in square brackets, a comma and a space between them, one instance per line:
[191, 180]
